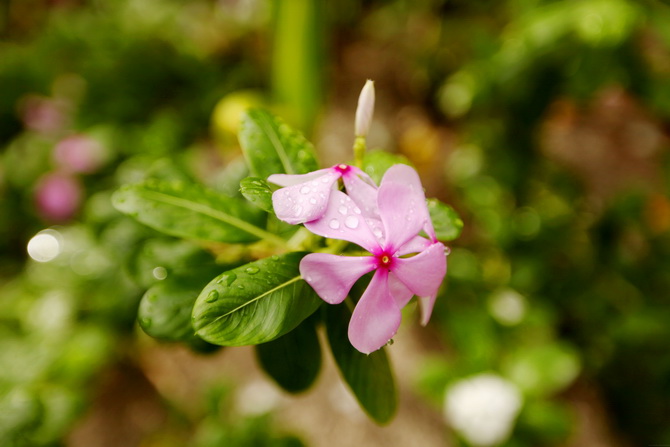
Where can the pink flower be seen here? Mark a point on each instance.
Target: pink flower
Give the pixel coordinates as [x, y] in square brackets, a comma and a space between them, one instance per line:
[79, 153]
[389, 237]
[58, 196]
[305, 197]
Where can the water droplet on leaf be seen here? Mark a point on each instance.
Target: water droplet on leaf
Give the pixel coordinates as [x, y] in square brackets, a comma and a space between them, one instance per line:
[252, 270]
[212, 296]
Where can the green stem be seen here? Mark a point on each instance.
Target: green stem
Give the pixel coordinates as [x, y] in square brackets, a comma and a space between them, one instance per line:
[359, 151]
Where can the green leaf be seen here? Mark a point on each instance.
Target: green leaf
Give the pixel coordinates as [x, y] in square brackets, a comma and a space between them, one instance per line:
[255, 303]
[446, 221]
[191, 211]
[293, 360]
[377, 162]
[258, 192]
[369, 376]
[271, 147]
[165, 310]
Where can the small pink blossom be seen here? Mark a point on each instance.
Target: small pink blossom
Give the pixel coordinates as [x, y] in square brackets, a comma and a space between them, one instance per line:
[305, 197]
[389, 237]
[79, 153]
[58, 196]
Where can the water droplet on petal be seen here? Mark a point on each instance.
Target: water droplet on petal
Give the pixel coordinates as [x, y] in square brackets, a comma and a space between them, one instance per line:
[252, 270]
[315, 183]
[351, 222]
[298, 210]
[212, 296]
[334, 224]
[357, 210]
[342, 210]
[305, 190]
[378, 233]
[308, 278]
[312, 201]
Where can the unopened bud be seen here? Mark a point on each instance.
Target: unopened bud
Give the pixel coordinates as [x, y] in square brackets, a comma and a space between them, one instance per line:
[366, 107]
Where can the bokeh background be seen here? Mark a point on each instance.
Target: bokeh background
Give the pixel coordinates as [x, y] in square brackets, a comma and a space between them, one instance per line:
[544, 123]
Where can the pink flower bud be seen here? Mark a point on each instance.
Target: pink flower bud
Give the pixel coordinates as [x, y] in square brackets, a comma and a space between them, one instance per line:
[57, 196]
[365, 109]
[44, 115]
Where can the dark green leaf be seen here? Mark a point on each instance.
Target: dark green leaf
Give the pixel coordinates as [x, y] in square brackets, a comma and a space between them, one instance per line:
[270, 146]
[377, 162]
[446, 221]
[254, 303]
[293, 360]
[191, 211]
[258, 192]
[369, 376]
[165, 310]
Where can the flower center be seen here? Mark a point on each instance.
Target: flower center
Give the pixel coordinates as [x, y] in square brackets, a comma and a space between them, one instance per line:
[385, 260]
[342, 168]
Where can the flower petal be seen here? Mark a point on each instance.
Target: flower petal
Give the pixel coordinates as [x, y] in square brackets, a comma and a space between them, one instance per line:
[423, 273]
[304, 201]
[426, 304]
[406, 175]
[415, 245]
[342, 219]
[398, 209]
[332, 276]
[401, 294]
[362, 190]
[376, 317]
[290, 180]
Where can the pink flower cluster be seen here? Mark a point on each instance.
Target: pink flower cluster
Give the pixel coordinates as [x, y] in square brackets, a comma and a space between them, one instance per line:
[385, 221]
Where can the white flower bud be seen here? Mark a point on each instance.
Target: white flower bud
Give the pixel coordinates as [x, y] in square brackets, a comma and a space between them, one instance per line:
[365, 109]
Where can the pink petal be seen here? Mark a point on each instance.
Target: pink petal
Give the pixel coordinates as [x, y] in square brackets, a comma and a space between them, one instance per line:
[362, 191]
[376, 317]
[342, 219]
[423, 273]
[406, 175]
[400, 214]
[290, 180]
[304, 201]
[332, 276]
[401, 294]
[426, 304]
[415, 245]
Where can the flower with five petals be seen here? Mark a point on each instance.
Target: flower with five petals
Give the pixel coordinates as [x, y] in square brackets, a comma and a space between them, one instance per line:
[389, 236]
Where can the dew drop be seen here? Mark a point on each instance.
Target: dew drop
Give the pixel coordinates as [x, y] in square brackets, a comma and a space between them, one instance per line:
[315, 183]
[343, 210]
[305, 190]
[230, 278]
[308, 278]
[312, 201]
[212, 296]
[325, 179]
[334, 224]
[252, 270]
[351, 222]
[357, 210]
[275, 258]
[377, 232]
[240, 286]
[298, 210]
[145, 323]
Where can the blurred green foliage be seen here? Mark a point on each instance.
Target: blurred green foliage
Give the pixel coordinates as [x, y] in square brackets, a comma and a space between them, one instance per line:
[560, 279]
